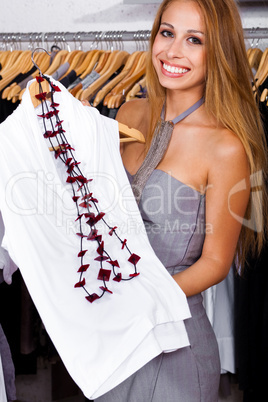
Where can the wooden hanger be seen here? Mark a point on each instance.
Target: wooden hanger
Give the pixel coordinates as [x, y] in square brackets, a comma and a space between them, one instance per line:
[7, 90]
[118, 94]
[10, 58]
[108, 87]
[43, 60]
[95, 58]
[89, 62]
[57, 61]
[5, 57]
[125, 86]
[21, 65]
[76, 61]
[102, 61]
[69, 58]
[262, 71]
[132, 64]
[100, 67]
[264, 95]
[254, 57]
[115, 61]
[136, 89]
[44, 67]
[126, 133]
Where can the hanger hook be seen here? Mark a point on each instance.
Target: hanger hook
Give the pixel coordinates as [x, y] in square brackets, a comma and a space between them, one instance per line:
[32, 57]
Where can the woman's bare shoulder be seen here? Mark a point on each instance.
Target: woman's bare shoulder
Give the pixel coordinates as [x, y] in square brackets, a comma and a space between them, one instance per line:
[228, 145]
[228, 155]
[133, 113]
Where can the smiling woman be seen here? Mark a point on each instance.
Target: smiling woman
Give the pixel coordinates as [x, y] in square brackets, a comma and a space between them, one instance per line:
[205, 142]
[179, 51]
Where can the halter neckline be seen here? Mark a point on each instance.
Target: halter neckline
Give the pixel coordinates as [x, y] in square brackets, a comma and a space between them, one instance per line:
[159, 145]
[186, 113]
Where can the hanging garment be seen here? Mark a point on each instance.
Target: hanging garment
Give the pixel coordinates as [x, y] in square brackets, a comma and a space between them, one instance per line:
[219, 305]
[3, 395]
[7, 266]
[7, 370]
[251, 312]
[103, 343]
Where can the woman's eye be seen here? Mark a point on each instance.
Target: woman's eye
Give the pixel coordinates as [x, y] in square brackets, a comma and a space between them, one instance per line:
[166, 34]
[195, 40]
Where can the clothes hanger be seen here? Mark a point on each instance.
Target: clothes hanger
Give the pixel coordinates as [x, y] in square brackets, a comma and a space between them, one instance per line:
[264, 95]
[67, 61]
[85, 62]
[12, 64]
[10, 59]
[126, 133]
[90, 62]
[136, 89]
[70, 56]
[100, 67]
[76, 61]
[134, 62]
[249, 51]
[262, 71]
[21, 65]
[115, 61]
[124, 87]
[4, 58]
[14, 89]
[7, 90]
[120, 91]
[255, 57]
[44, 63]
[57, 61]
[44, 67]
[254, 54]
[96, 58]
[108, 87]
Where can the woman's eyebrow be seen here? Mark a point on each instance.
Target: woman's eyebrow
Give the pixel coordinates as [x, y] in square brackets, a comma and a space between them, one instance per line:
[167, 24]
[195, 31]
[191, 31]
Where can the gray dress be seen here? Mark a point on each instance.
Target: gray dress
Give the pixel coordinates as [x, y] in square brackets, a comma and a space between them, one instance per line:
[174, 217]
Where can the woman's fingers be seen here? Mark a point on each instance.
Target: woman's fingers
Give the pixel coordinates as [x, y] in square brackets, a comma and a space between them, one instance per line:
[85, 102]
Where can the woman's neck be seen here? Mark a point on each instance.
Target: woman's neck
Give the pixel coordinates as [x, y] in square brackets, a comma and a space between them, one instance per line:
[176, 103]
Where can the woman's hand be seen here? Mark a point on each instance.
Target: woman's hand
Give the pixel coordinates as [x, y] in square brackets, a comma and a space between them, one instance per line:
[85, 103]
[7, 266]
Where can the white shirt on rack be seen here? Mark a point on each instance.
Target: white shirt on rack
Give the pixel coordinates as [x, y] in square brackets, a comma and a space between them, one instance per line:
[103, 343]
[3, 395]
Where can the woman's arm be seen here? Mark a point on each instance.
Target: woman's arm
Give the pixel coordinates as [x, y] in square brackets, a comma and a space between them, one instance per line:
[226, 200]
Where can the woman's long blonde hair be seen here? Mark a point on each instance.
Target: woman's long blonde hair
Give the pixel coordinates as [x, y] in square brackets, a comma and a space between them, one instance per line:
[229, 98]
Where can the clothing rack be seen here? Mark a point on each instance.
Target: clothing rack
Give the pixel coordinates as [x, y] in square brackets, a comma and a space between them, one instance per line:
[77, 37]
[100, 36]
[256, 33]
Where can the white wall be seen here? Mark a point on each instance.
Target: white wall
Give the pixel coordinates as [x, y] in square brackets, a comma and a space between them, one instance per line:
[95, 15]
[74, 15]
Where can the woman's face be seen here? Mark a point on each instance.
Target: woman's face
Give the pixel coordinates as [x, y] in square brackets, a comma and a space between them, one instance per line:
[179, 50]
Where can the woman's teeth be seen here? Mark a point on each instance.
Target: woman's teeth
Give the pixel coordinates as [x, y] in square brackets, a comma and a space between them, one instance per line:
[176, 70]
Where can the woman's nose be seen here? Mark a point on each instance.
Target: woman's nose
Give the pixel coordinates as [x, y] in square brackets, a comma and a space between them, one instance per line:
[175, 49]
